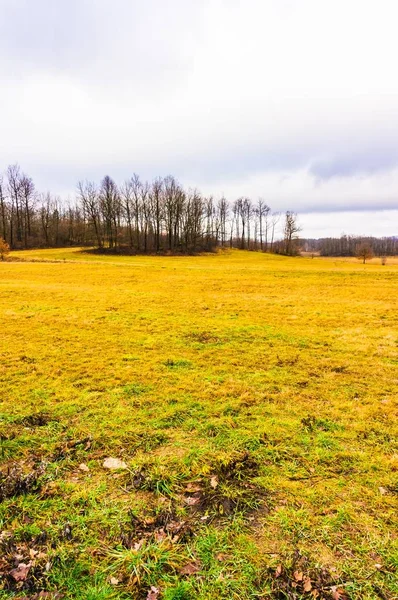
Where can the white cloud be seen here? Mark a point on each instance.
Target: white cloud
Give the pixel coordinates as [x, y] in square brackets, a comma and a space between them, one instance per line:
[293, 100]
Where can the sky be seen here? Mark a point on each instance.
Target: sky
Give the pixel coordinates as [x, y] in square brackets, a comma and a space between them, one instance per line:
[293, 101]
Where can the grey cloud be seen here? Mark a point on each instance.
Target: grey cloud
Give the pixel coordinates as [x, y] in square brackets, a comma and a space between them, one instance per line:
[98, 42]
[230, 97]
[372, 161]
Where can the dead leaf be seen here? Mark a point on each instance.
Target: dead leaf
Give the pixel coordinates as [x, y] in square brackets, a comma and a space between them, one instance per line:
[113, 581]
[139, 544]
[21, 572]
[191, 501]
[307, 587]
[383, 491]
[214, 482]
[84, 468]
[298, 575]
[191, 568]
[339, 593]
[153, 593]
[114, 463]
[278, 571]
[221, 556]
[160, 535]
[193, 487]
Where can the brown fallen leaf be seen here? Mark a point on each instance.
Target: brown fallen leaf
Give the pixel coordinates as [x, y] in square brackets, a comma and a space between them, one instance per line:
[193, 487]
[20, 573]
[191, 501]
[278, 571]
[307, 587]
[213, 482]
[139, 544]
[298, 575]
[221, 556]
[191, 568]
[160, 535]
[83, 467]
[153, 593]
[339, 593]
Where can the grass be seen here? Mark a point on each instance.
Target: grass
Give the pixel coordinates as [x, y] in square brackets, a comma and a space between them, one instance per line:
[253, 399]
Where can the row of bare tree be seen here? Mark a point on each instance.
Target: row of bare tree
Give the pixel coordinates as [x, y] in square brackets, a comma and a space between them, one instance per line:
[347, 245]
[137, 216]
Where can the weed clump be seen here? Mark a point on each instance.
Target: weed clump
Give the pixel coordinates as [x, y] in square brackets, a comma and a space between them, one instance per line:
[16, 483]
[156, 527]
[35, 420]
[229, 488]
[24, 567]
[296, 579]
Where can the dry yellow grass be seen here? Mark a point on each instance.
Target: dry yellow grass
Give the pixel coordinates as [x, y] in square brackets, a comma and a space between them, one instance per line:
[180, 366]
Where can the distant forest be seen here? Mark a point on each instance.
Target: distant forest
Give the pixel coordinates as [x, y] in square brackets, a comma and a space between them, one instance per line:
[158, 217]
[347, 245]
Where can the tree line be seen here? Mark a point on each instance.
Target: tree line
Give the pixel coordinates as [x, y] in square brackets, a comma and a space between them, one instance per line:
[156, 217]
[349, 245]
[137, 217]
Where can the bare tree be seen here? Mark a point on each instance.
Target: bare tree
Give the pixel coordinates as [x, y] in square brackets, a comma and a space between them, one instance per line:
[275, 218]
[136, 186]
[291, 229]
[109, 202]
[3, 211]
[156, 200]
[45, 217]
[14, 189]
[222, 210]
[27, 193]
[364, 252]
[263, 211]
[90, 202]
[126, 198]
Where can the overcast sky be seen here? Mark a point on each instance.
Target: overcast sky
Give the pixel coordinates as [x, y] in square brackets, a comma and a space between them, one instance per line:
[295, 101]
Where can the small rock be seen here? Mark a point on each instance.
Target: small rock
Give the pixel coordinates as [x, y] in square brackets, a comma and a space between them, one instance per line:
[114, 463]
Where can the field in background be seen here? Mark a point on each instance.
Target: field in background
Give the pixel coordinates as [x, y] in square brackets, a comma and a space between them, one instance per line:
[253, 400]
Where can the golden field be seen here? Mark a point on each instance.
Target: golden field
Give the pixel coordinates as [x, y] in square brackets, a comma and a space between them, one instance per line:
[252, 399]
